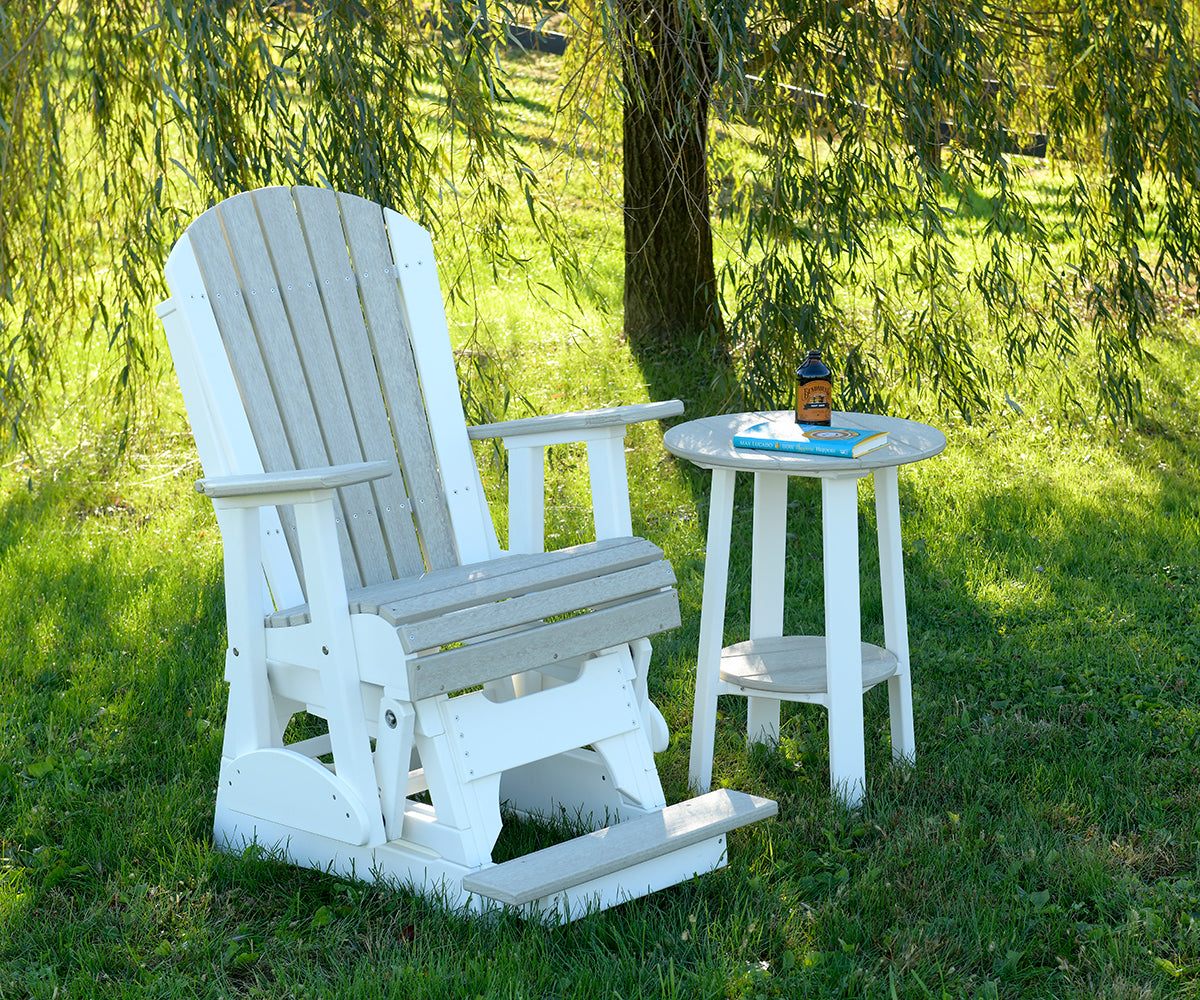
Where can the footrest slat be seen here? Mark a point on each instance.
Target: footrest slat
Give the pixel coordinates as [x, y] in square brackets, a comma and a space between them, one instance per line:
[623, 845]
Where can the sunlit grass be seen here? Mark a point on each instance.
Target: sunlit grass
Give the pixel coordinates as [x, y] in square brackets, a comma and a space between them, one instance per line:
[1045, 844]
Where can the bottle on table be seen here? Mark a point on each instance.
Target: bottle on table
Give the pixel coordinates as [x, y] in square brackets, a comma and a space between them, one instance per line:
[814, 391]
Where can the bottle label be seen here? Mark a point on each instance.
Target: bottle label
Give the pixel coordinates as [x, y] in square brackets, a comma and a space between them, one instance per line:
[813, 402]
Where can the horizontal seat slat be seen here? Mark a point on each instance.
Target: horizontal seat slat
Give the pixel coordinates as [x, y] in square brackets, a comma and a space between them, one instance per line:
[470, 623]
[551, 642]
[543, 873]
[445, 590]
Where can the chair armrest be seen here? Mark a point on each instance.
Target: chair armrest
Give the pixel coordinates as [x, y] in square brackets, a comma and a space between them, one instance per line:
[268, 485]
[556, 424]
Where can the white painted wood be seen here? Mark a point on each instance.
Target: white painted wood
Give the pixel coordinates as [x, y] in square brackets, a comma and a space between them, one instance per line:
[526, 499]
[394, 727]
[768, 548]
[843, 638]
[250, 722]
[610, 485]
[431, 872]
[660, 734]
[412, 250]
[315, 360]
[712, 628]
[603, 431]
[850, 666]
[558, 719]
[618, 847]
[339, 674]
[292, 789]
[467, 805]
[895, 613]
[575, 785]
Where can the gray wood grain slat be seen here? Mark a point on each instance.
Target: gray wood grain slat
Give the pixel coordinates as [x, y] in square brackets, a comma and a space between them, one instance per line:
[580, 420]
[458, 587]
[576, 862]
[497, 616]
[388, 327]
[237, 334]
[258, 287]
[303, 263]
[365, 410]
[477, 663]
[326, 478]
[795, 664]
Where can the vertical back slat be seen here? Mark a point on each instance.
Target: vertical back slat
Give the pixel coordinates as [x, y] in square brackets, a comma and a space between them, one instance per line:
[306, 297]
[389, 328]
[322, 223]
[237, 333]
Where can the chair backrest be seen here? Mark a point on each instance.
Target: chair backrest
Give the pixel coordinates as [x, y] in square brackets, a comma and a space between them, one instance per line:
[308, 329]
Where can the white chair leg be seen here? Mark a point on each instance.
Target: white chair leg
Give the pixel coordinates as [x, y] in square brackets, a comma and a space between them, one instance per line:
[465, 805]
[630, 762]
[393, 754]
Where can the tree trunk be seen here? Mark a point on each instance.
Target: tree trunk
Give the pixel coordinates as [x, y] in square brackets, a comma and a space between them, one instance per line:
[670, 283]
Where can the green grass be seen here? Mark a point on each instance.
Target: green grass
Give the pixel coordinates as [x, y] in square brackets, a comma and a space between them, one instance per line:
[1044, 845]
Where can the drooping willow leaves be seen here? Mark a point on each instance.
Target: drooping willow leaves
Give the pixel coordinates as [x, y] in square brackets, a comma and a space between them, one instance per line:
[119, 121]
[876, 132]
[882, 130]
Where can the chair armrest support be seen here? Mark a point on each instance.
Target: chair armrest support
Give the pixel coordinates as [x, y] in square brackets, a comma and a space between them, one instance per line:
[267, 487]
[603, 431]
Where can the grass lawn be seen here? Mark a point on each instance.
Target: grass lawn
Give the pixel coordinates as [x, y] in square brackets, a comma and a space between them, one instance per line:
[1044, 845]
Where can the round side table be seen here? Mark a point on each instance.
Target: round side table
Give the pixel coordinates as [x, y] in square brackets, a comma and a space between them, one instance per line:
[832, 670]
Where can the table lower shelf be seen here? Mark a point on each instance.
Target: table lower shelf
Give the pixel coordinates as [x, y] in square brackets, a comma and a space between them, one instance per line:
[795, 665]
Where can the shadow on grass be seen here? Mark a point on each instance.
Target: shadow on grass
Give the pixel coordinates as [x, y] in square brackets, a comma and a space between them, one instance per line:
[1053, 633]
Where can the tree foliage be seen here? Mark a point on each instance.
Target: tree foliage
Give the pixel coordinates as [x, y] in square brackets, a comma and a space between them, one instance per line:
[133, 117]
[854, 138]
[883, 129]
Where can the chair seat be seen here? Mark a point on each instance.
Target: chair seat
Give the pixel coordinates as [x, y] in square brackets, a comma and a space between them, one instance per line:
[528, 603]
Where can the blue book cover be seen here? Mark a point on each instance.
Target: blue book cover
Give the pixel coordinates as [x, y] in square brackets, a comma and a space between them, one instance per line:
[787, 435]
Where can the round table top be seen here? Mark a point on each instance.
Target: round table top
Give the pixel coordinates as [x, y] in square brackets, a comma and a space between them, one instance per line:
[708, 443]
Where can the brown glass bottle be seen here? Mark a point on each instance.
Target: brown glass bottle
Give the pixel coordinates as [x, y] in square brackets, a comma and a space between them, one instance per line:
[814, 391]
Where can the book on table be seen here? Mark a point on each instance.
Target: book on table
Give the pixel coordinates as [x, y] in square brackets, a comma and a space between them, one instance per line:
[784, 434]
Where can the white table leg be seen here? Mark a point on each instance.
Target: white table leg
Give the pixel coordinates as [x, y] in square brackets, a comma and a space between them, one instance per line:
[766, 590]
[843, 638]
[895, 613]
[712, 629]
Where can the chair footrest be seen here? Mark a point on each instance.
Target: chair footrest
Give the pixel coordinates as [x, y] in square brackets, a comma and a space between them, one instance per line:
[555, 869]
